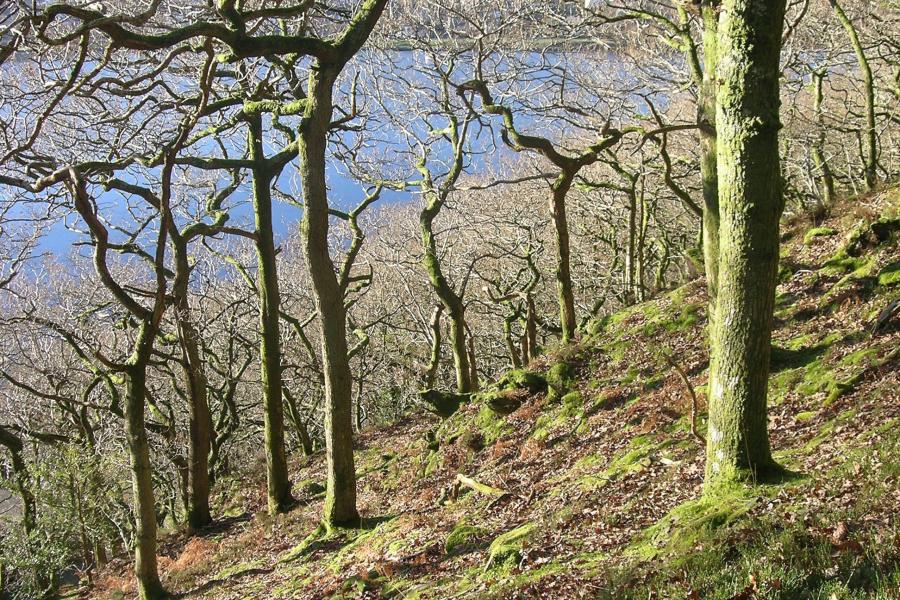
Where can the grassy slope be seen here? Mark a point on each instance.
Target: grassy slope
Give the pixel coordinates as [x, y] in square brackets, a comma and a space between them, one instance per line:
[603, 475]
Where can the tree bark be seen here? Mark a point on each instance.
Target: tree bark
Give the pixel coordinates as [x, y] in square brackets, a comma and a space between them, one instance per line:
[200, 420]
[818, 149]
[340, 497]
[563, 269]
[145, 564]
[708, 159]
[15, 446]
[434, 360]
[278, 482]
[449, 298]
[751, 203]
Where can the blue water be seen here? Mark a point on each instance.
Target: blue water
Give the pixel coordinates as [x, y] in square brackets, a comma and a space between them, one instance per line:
[385, 141]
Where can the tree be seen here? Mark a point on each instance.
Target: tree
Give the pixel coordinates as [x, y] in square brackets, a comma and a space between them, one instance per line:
[750, 203]
[435, 195]
[568, 166]
[865, 69]
[340, 497]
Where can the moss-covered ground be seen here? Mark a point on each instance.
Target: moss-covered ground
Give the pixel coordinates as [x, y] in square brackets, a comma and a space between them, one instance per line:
[603, 477]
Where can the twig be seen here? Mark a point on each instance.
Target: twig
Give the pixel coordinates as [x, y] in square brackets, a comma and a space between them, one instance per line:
[690, 388]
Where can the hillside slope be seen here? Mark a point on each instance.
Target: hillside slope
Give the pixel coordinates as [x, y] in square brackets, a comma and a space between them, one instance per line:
[595, 477]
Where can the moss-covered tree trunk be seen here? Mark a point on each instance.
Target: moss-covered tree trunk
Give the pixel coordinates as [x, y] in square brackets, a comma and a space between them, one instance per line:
[750, 204]
[15, 446]
[629, 297]
[708, 160]
[564, 289]
[434, 360]
[450, 300]
[199, 418]
[144, 503]
[823, 170]
[641, 249]
[298, 421]
[278, 482]
[340, 497]
[869, 133]
[530, 348]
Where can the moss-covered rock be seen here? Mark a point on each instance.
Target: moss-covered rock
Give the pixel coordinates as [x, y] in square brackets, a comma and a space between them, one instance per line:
[560, 379]
[890, 275]
[472, 440]
[491, 425]
[443, 404]
[511, 390]
[573, 404]
[817, 232]
[690, 523]
[842, 263]
[504, 402]
[464, 537]
[884, 228]
[505, 552]
[523, 379]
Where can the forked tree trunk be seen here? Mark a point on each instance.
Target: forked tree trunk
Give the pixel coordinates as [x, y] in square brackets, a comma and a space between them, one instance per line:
[277, 481]
[448, 297]
[750, 203]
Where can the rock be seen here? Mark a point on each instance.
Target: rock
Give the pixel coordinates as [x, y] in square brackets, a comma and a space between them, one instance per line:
[504, 402]
[506, 549]
[464, 537]
[443, 404]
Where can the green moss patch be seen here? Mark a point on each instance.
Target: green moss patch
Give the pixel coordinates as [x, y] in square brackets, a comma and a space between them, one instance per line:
[464, 537]
[890, 275]
[560, 379]
[505, 552]
[817, 232]
[690, 524]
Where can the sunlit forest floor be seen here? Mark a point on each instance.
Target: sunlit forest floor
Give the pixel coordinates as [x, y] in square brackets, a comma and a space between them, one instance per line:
[596, 475]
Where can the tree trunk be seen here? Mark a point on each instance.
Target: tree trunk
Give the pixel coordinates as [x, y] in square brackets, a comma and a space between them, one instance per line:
[563, 271]
[708, 161]
[750, 202]
[818, 149]
[530, 330]
[460, 349]
[870, 134]
[514, 357]
[200, 420]
[278, 482]
[450, 299]
[299, 424]
[340, 497]
[473, 365]
[641, 250]
[630, 255]
[434, 361]
[14, 445]
[145, 567]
